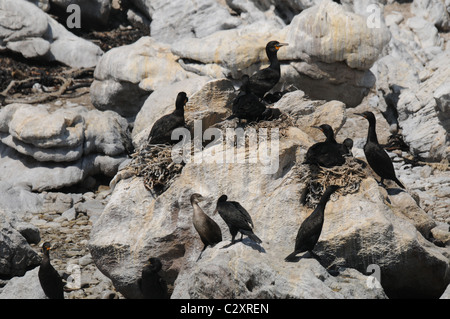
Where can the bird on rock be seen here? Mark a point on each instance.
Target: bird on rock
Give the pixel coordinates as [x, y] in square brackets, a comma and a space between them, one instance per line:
[265, 79]
[161, 132]
[376, 156]
[51, 281]
[328, 153]
[309, 231]
[247, 105]
[236, 218]
[151, 284]
[207, 228]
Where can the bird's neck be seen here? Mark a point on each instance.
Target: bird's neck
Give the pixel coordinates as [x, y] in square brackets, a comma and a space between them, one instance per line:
[273, 59]
[372, 133]
[46, 259]
[331, 139]
[179, 111]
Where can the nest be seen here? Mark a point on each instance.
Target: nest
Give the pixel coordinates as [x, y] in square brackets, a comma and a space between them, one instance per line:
[156, 165]
[282, 123]
[348, 176]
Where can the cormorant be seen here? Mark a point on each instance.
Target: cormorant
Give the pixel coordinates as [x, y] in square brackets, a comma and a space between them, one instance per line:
[328, 153]
[151, 284]
[207, 228]
[236, 218]
[376, 156]
[264, 80]
[51, 281]
[309, 232]
[161, 132]
[247, 105]
[347, 146]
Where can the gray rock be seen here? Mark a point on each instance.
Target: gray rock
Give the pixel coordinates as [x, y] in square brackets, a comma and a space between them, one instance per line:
[17, 256]
[180, 19]
[434, 11]
[442, 97]
[26, 287]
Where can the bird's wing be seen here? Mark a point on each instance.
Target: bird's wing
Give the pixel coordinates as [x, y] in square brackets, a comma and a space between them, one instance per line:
[244, 213]
[379, 160]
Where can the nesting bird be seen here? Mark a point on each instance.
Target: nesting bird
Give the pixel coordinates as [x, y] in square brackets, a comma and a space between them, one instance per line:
[265, 79]
[207, 228]
[151, 284]
[376, 156]
[236, 218]
[328, 153]
[51, 281]
[309, 232]
[247, 105]
[161, 132]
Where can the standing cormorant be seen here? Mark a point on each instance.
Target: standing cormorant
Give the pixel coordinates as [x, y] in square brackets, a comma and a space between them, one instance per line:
[151, 284]
[207, 228]
[161, 132]
[236, 218]
[264, 80]
[51, 281]
[376, 156]
[247, 105]
[328, 153]
[309, 232]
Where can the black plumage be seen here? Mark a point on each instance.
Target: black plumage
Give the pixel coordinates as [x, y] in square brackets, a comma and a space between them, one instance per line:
[236, 218]
[247, 105]
[161, 132]
[376, 156]
[208, 230]
[265, 79]
[309, 232]
[151, 284]
[51, 281]
[328, 153]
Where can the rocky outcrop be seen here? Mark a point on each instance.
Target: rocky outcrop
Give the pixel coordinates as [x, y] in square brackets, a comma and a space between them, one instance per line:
[28, 30]
[58, 148]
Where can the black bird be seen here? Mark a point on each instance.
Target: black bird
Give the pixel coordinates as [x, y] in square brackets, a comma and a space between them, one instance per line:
[247, 105]
[151, 284]
[376, 156]
[328, 153]
[51, 281]
[236, 218]
[309, 232]
[264, 80]
[207, 228]
[347, 146]
[161, 132]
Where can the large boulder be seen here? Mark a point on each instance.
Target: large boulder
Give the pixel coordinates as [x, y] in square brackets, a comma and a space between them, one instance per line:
[54, 148]
[125, 76]
[28, 30]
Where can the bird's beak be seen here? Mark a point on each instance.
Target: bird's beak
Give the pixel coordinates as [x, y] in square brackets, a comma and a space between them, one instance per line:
[48, 248]
[360, 114]
[185, 101]
[317, 127]
[215, 211]
[279, 45]
[201, 199]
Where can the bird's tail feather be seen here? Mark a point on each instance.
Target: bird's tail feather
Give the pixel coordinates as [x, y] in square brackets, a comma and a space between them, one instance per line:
[399, 183]
[251, 235]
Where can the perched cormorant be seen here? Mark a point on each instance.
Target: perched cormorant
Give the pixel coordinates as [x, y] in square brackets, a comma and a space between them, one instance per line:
[51, 281]
[309, 232]
[237, 219]
[161, 132]
[207, 228]
[247, 105]
[151, 284]
[347, 146]
[328, 153]
[376, 156]
[264, 80]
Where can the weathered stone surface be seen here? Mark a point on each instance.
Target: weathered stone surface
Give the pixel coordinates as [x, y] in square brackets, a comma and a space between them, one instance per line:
[126, 75]
[434, 11]
[26, 287]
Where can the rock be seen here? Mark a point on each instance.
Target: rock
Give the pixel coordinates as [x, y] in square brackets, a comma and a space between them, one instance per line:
[425, 31]
[434, 11]
[446, 294]
[28, 30]
[360, 230]
[442, 97]
[42, 4]
[180, 19]
[93, 13]
[26, 287]
[19, 200]
[328, 33]
[73, 144]
[423, 127]
[125, 76]
[17, 256]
